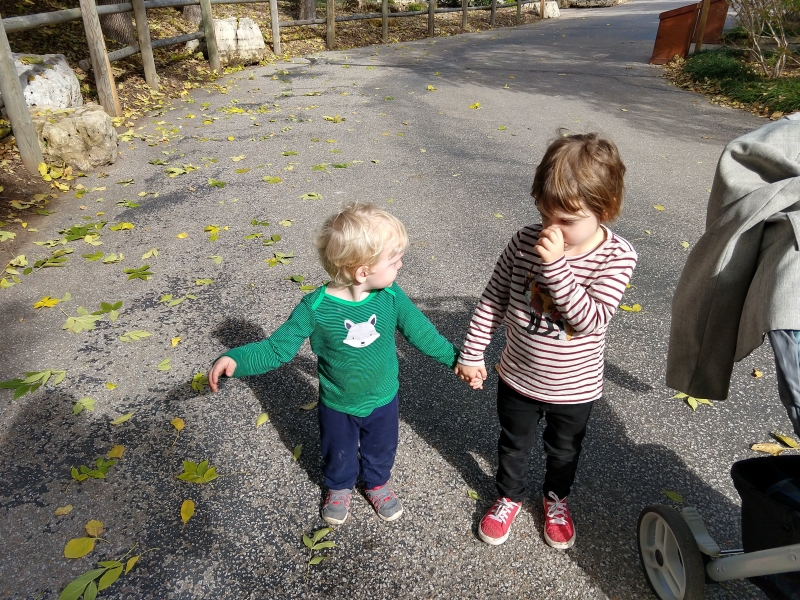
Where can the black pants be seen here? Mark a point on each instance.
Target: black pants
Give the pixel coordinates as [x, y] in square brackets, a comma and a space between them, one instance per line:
[563, 435]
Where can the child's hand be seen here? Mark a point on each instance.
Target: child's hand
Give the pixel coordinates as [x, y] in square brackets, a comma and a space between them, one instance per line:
[551, 244]
[474, 376]
[224, 366]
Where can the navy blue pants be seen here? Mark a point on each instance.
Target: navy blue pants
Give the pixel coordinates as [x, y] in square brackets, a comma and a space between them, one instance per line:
[343, 437]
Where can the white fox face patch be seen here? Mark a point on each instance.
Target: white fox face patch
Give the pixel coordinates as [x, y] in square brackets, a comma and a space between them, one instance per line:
[360, 335]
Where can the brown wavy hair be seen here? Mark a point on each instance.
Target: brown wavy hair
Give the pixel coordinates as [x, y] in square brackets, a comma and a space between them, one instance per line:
[581, 170]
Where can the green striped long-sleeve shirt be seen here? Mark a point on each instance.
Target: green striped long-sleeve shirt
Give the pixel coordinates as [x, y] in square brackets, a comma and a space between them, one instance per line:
[354, 343]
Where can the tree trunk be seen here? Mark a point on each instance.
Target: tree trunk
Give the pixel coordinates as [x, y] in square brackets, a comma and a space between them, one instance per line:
[192, 14]
[308, 9]
[118, 27]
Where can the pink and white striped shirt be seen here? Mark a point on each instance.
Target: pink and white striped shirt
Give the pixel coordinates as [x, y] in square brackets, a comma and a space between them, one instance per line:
[556, 317]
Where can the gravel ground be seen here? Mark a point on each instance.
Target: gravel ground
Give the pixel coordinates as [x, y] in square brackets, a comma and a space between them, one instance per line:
[459, 179]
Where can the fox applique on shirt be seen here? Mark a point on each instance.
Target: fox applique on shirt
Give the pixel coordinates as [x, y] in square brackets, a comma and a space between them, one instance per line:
[355, 345]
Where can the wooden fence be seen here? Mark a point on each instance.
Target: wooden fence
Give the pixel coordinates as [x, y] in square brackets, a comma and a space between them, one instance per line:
[89, 13]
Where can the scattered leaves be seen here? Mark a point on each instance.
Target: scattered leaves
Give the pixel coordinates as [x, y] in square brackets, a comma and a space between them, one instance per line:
[136, 335]
[297, 451]
[63, 510]
[473, 494]
[674, 496]
[774, 449]
[83, 404]
[197, 473]
[756, 373]
[199, 382]
[165, 365]
[634, 308]
[122, 418]
[262, 418]
[32, 382]
[116, 452]
[784, 439]
[142, 273]
[658, 206]
[187, 511]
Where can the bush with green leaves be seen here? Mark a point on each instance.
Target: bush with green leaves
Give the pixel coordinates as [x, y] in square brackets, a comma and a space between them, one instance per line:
[729, 72]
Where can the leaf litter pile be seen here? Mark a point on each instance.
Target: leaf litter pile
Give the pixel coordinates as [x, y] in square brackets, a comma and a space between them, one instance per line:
[125, 319]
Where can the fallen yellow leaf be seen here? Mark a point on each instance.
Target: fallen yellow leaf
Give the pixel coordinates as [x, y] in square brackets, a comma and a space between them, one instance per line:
[757, 373]
[116, 451]
[187, 510]
[774, 449]
[175, 341]
[178, 423]
[182, 235]
[94, 528]
[658, 206]
[63, 510]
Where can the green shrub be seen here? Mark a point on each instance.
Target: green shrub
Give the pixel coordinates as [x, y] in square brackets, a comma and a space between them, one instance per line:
[414, 6]
[736, 79]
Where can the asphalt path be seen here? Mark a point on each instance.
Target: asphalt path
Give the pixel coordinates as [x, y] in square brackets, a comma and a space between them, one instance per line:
[459, 179]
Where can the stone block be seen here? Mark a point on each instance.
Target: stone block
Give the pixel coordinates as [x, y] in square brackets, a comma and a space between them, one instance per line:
[239, 41]
[550, 9]
[47, 80]
[82, 137]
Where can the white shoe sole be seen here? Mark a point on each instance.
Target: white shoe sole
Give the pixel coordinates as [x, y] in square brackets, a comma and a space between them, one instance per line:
[332, 521]
[394, 517]
[492, 541]
[559, 545]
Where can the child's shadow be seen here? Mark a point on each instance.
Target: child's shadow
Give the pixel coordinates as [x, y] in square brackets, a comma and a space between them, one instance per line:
[617, 477]
[281, 393]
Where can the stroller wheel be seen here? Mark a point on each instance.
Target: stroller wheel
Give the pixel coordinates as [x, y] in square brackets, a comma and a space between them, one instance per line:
[670, 557]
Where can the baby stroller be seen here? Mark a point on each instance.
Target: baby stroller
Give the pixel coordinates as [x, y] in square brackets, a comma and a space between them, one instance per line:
[679, 556]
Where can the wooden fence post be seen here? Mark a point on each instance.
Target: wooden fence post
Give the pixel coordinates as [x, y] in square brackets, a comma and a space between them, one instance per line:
[464, 4]
[493, 13]
[519, 11]
[541, 9]
[104, 79]
[330, 17]
[276, 28]
[431, 13]
[143, 33]
[385, 21]
[18, 114]
[211, 38]
[701, 25]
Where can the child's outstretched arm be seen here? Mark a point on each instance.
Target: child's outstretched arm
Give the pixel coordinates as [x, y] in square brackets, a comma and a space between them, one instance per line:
[224, 365]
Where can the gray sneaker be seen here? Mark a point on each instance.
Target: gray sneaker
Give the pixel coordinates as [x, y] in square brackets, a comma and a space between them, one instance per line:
[385, 502]
[337, 506]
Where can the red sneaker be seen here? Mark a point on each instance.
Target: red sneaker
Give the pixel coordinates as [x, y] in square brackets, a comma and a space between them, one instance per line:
[559, 531]
[496, 523]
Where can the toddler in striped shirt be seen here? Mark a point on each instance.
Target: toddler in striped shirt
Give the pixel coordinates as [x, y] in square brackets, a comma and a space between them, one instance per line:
[555, 286]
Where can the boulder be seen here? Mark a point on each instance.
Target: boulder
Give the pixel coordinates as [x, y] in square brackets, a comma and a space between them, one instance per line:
[239, 41]
[550, 9]
[47, 80]
[82, 137]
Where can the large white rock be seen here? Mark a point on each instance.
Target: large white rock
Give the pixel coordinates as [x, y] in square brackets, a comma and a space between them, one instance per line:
[550, 9]
[239, 41]
[82, 137]
[47, 80]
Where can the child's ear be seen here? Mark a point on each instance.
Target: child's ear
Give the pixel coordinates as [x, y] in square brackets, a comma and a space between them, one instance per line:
[361, 274]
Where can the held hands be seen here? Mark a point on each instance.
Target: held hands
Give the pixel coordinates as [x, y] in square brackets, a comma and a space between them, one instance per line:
[474, 376]
[551, 244]
[224, 366]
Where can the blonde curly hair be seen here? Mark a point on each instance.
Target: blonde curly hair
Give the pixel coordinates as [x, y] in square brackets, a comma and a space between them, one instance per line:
[357, 236]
